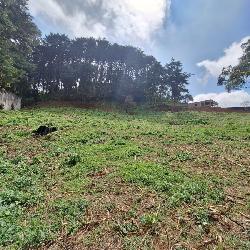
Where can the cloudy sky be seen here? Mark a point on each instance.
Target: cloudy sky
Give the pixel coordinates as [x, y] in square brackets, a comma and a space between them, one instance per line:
[206, 35]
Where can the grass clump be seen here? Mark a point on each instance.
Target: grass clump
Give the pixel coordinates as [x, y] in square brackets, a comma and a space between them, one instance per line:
[71, 212]
[72, 160]
[178, 187]
[149, 219]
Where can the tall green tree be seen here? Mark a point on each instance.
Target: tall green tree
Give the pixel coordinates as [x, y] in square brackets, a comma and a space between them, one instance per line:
[177, 81]
[233, 78]
[50, 58]
[18, 37]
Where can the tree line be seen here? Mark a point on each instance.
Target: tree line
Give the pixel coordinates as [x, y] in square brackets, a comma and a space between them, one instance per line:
[88, 69]
[84, 69]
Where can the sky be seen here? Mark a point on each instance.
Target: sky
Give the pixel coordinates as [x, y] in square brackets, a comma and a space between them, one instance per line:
[205, 35]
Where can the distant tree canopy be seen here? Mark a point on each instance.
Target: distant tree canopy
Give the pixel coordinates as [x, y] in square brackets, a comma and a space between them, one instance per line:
[83, 69]
[94, 69]
[237, 77]
[18, 37]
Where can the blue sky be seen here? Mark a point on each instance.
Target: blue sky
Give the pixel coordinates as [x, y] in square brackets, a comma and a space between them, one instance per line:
[201, 29]
[193, 31]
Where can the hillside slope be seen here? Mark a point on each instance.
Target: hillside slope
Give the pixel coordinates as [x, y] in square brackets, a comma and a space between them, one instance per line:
[114, 181]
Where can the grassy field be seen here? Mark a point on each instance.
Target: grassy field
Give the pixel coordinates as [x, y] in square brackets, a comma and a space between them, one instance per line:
[117, 181]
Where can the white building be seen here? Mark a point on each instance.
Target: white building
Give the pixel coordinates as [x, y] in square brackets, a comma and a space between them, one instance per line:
[206, 103]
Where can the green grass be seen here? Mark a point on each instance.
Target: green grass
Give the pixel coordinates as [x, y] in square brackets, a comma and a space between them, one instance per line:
[111, 180]
[178, 187]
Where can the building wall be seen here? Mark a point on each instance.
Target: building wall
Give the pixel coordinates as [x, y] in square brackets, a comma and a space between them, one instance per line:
[207, 103]
[9, 101]
[194, 104]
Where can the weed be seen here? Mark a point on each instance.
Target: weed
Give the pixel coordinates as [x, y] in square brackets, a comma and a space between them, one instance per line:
[201, 216]
[125, 228]
[178, 187]
[71, 212]
[72, 160]
[149, 219]
[183, 156]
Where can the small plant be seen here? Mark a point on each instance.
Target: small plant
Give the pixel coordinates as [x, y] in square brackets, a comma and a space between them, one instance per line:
[248, 205]
[198, 122]
[23, 182]
[70, 208]
[149, 219]
[110, 206]
[4, 166]
[71, 212]
[16, 160]
[119, 142]
[72, 160]
[20, 198]
[125, 228]
[184, 156]
[201, 216]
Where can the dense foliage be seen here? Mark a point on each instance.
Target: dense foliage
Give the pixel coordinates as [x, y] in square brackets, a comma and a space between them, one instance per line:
[89, 69]
[177, 80]
[83, 69]
[237, 77]
[18, 37]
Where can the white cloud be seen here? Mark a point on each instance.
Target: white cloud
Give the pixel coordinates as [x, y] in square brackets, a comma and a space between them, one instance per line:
[233, 99]
[231, 57]
[124, 21]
